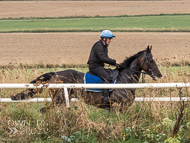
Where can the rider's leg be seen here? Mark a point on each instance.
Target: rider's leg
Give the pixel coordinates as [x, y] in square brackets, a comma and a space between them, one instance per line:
[105, 99]
[101, 72]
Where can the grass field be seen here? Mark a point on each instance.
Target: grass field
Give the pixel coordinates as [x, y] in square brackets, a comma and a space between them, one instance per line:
[85, 123]
[163, 23]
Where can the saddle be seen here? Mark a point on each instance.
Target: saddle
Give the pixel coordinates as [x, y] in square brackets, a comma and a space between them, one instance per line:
[90, 78]
[112, 72]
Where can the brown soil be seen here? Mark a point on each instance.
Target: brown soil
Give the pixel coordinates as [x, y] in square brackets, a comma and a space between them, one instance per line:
[67, 48]
[90, 8]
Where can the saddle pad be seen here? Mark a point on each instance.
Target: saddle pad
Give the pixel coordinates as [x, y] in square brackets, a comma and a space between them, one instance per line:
[92, 79]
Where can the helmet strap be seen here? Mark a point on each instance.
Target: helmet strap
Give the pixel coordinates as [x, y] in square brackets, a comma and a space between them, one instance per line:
[105, 41]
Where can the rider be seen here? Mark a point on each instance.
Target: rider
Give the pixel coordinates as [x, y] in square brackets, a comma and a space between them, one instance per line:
[99, 56]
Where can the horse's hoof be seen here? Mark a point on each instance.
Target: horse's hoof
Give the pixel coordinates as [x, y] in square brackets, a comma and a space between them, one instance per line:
[43, 110]
[13, 97]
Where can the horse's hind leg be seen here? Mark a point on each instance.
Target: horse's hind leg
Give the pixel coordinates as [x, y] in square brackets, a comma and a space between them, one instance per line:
[52, 93]
[58, 98]
[29, 93]
[45, 109]
[26, 94]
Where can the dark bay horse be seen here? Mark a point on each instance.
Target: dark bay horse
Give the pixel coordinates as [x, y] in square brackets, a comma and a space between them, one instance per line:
[129, 72]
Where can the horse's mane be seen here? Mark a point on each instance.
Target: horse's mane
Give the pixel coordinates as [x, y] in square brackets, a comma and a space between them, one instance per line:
[127, 62]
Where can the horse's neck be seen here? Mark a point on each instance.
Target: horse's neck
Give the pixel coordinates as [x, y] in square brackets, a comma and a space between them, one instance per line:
[132, 74]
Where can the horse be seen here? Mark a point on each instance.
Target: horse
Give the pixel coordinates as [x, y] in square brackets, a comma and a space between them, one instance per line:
[128, 72]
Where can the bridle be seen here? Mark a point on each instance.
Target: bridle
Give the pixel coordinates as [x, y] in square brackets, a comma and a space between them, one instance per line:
[150, 71]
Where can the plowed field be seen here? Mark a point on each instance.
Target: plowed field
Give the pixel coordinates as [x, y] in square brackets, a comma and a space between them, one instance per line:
[67, 48]
[89, 8]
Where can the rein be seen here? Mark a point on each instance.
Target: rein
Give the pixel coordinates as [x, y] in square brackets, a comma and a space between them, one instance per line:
[149, 67]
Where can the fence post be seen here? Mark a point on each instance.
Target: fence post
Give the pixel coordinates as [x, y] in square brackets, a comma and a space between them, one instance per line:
[66, 97]
[143, 76]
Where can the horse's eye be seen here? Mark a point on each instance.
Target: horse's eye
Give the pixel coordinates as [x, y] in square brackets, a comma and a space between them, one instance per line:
[151, 60]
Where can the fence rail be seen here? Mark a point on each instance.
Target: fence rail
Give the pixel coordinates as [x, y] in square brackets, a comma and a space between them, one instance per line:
[74, 99]
[97, 86]
[91, 86]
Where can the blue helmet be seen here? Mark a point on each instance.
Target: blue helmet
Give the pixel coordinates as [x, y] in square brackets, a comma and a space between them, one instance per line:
[106, 34]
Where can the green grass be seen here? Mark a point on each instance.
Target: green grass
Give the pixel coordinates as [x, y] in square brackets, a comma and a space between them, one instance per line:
[132, 23]
[99, 125]
[86, 123]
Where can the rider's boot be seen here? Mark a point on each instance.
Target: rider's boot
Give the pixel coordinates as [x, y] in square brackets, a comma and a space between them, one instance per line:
[105, 99]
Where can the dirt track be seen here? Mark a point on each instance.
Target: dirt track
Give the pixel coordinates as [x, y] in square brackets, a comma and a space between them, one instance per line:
[67, 48]
[90, 8]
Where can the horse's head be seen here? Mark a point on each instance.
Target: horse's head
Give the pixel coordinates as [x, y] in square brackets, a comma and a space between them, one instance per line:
[148, 64]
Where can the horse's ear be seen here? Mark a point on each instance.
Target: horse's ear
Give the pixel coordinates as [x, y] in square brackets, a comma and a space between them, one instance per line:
[148, 49]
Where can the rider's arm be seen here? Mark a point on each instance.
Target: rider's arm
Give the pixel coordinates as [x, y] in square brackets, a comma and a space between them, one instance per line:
[99, 49]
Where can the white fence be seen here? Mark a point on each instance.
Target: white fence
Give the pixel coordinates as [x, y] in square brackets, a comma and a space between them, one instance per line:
[97, 86]
[92, 86]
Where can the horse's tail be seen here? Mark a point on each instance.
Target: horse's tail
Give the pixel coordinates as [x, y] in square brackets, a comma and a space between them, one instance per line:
[30, 92]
